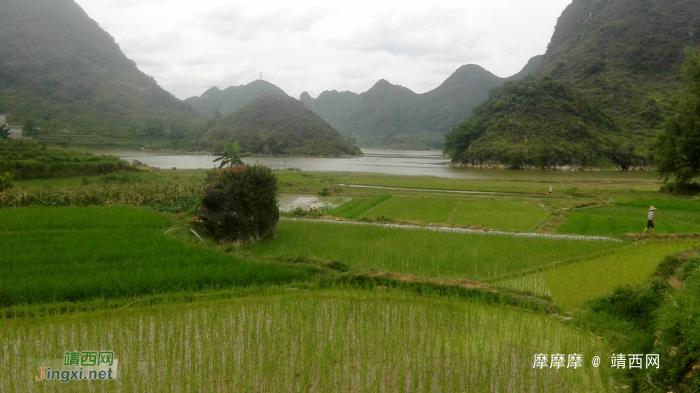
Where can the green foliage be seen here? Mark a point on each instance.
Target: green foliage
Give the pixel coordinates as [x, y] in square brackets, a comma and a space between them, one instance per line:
[78, 254]
[5, 181]
[26, 159]
[655, 317]
[252, 187]
[168, 193]
[4, 132]
[29, 128]
[678, 146]
[231, 155]
[539, 123]
[624, 56]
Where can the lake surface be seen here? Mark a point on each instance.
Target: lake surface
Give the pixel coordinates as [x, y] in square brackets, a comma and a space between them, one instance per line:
[390, 162]
[417, 163]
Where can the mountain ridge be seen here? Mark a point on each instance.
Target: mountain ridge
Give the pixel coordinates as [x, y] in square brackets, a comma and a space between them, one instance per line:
[387, 112]
[59, 68]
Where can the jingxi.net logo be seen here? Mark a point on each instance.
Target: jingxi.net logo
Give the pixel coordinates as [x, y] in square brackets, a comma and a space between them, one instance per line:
[80, 366]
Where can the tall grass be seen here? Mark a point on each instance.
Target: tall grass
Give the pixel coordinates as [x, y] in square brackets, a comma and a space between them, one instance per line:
[73, 254]
[432, 254]
[331, 341]
[133, 193]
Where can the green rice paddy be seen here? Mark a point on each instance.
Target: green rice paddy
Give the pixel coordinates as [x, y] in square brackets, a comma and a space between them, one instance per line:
[274, 329]
[329, 341]
[75, 254]
[619, 220]
[515, 216]
[419, 252]
[571, 285]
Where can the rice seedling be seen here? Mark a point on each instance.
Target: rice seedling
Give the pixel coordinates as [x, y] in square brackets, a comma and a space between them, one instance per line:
[428, 210]
[432, 254]
[571, 285]
[355, 207]
[499, 215]
[329, 341]
[74, 254]
[619, 220]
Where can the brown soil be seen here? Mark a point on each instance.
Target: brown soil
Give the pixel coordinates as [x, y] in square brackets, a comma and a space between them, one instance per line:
[411, 278]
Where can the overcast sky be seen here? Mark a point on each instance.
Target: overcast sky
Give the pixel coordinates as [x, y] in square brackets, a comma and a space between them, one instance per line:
[307, 45]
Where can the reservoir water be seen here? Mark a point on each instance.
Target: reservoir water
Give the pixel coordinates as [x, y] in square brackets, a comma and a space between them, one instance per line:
[390, 162]
[417, 163]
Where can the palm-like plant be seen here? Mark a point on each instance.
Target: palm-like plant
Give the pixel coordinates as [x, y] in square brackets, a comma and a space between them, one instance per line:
[231, 155]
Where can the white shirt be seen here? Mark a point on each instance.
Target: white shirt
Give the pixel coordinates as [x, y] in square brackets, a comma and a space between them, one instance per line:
[651, 215]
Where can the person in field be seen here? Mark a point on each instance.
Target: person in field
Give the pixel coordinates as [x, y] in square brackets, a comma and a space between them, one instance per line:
[650, 220]
[550, 190]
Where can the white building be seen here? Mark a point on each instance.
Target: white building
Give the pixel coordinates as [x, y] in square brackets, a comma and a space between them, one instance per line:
[15, 132]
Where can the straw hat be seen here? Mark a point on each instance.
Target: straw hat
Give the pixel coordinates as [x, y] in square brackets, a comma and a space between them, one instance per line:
[652, 208]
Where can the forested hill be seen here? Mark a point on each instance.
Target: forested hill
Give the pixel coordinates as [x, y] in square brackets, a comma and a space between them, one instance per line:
[622, 57]
[279, 125]
[59, 68]
[223, 102]
[538, 122]
[387, 113]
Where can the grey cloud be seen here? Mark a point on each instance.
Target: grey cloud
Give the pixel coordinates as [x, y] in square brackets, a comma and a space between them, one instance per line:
[233, 21]
[442, 33]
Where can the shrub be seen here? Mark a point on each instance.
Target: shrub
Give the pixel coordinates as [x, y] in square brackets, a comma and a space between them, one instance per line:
[5, 181]
[240, 204]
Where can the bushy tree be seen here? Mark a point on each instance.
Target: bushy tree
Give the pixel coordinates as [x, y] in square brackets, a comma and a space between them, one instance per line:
[239, 204]
[678, 145]
[4, 131]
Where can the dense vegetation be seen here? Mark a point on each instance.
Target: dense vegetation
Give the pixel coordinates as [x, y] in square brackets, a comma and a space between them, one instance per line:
[538, 122]
[679, 144]
[239, 203]
[216, 102]
[394, 116]
[65, 75]
[659, 316]
[624, 57]
[26, 159]
[278, 125]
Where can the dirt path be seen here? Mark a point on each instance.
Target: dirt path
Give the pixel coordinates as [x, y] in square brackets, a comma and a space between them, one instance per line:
[332, 220]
